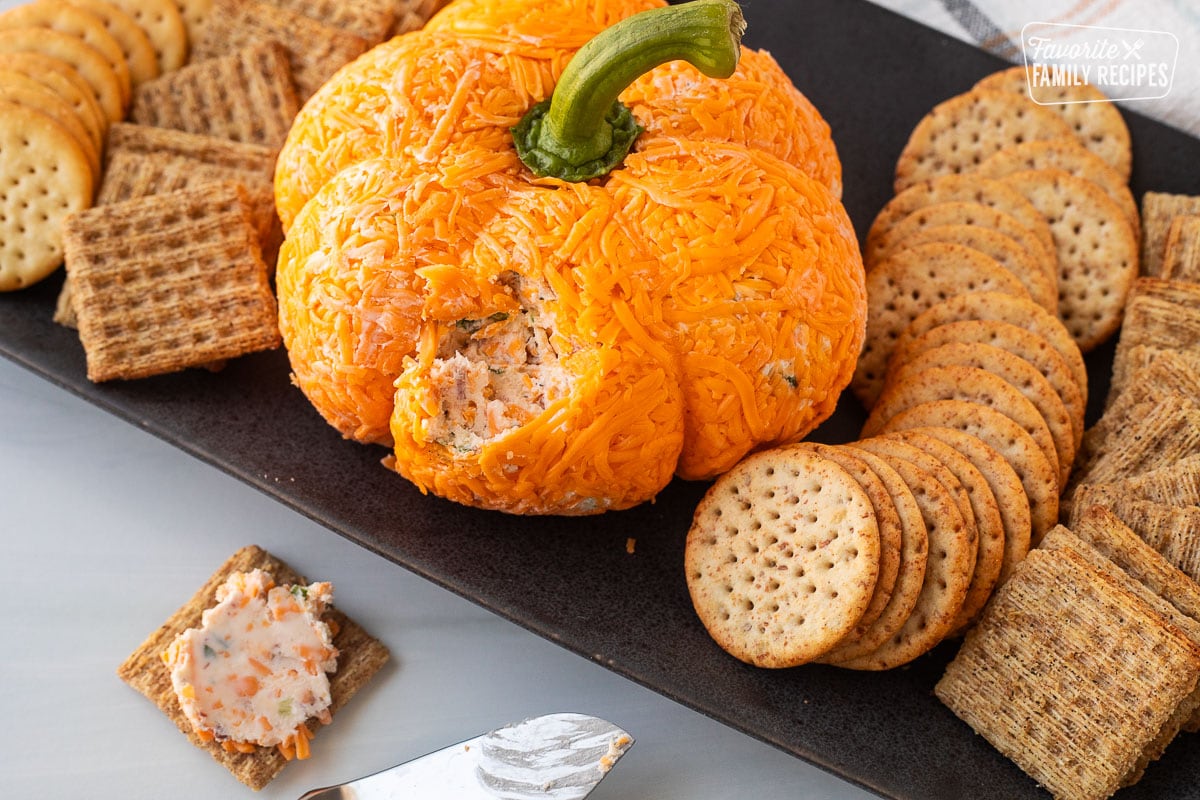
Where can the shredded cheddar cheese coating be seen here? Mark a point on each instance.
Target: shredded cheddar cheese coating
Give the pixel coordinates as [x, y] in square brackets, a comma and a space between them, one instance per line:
[536, 346]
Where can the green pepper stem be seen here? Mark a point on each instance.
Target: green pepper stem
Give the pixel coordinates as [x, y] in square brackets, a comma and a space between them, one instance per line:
[584, 132]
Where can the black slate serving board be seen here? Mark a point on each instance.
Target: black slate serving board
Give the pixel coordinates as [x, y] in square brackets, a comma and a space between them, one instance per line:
[873, 74]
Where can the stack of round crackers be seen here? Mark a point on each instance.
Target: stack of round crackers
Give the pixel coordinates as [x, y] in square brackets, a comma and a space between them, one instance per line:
[997, 193]
[863, 556]
[68, 69]
[1006, 253]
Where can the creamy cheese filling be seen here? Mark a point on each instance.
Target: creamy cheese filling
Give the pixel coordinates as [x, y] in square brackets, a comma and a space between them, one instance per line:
[257, 667]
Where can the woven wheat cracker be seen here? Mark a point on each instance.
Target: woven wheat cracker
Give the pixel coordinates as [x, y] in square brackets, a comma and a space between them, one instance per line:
[974, 385]
[1070, 676]
[1104, 531]
[60, 16]
[91, 65]
[1169, 373]
[910, 574]
[23, 91]
[1005, 251]
[1161, 315]
[1062, 540]
[782, 557]
[1181, 255]
[1159, 210]
[218, 151]
[1154, 434]
[1070, 156]
[246, 96]
[1010, 309]
[360, 657]
[1094, 121]
[978, 216]
[1005, 487]
[948, 570]
[193, 290]
[314, 50]
[959, 133]
[143, 160]
[1173, 531]
[1097, 251]
[1038, 478]
[1175, 484]
[44, 177]
[412, 14]
[887, 519]
[908, 283]
[369, 20]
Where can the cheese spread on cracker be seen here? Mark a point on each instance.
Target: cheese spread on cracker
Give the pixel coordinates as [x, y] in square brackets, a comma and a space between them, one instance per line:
[256, 669]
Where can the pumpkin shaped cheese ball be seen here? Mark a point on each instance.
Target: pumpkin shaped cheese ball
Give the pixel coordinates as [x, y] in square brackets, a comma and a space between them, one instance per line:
[558, 312]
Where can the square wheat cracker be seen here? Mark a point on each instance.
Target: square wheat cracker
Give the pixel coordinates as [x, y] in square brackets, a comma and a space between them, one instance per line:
[360, 657]
[1173, 531]
[1119, 575]
[246, 95]
[314, 50]
[220, 151]
[1070, 676]
[1181, 257]
[169, 281]
[369, 20]
[1103, 530]
[1159, 209]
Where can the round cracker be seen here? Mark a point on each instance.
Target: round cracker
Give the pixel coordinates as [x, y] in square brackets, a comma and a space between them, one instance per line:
[970, 188]
[947, 573]
[195, 14]
[1094, 121]
[1005, 486]
[162, 23]
[964, 383]
[908, 283]
[1013, 310]
[887, 519]
[979, 216]
[1068, 155]
[62, 79]
[959, 133]
[1022, 343]
[1042, 288]
[135, 44]
[1018, 373]
[1038, 477]
[45, 178]
[910, 577]
[105, 86]
[892, 447]
[989, 556]
[1097, 251]
[58, 15]
[25, 91]
[782, 557]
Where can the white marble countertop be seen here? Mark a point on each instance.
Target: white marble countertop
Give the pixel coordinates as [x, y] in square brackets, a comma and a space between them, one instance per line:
[105, 531]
